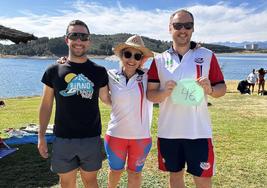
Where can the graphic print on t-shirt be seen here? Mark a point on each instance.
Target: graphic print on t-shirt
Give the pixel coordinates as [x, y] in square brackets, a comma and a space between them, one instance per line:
[79, 85]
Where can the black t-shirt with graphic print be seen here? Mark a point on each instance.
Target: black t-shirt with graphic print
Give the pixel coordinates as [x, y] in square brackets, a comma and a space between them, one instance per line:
[76, 88]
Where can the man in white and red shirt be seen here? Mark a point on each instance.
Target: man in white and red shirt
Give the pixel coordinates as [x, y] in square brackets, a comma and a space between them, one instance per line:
[184, 132]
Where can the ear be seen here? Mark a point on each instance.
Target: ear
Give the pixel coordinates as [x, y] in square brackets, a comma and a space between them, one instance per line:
[170, 28]
[66, 40]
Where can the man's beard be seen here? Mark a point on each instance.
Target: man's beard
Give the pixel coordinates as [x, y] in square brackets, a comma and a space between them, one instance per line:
[80, 54]
[182, 41]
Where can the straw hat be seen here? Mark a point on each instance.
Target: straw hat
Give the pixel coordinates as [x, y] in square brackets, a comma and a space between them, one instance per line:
[133, 42]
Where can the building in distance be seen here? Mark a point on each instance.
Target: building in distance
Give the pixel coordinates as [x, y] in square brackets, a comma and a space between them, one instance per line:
[252, 46]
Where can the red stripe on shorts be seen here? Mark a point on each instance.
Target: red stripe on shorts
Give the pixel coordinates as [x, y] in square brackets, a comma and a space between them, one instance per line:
[209, 172]
[161, 160]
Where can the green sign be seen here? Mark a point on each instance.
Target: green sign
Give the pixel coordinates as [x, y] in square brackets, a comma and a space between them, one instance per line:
[187, 92]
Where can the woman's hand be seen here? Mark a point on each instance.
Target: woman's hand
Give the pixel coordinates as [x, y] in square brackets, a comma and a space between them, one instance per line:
[62, 60]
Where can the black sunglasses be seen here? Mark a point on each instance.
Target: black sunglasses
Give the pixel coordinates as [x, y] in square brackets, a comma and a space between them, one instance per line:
[187, 25]
[76, 36]
[128, 55]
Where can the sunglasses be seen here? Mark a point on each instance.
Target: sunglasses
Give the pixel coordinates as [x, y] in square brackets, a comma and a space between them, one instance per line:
[179, 26]
[128, 55]
[76, 36]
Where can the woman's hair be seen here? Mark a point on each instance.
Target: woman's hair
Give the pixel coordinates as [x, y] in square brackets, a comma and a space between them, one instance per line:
[261, 71]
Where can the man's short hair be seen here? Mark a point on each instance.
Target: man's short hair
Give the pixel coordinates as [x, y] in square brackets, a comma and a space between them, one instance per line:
[182, 10]
[77, 22]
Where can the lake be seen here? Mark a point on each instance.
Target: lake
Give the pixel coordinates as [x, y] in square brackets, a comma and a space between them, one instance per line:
[21, 77]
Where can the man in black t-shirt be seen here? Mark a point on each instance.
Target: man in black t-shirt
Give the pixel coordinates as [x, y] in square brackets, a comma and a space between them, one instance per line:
[76, 87]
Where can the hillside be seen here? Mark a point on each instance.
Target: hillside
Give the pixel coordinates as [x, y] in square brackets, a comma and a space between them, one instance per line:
[102, 45]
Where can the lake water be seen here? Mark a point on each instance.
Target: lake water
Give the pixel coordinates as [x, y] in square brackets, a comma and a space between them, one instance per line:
[21, 77]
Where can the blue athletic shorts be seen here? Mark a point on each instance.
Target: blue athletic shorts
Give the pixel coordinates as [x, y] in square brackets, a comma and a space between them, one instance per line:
[70, 154]
[198, 154]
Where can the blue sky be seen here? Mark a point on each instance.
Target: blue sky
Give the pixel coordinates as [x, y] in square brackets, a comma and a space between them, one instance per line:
[215, 21]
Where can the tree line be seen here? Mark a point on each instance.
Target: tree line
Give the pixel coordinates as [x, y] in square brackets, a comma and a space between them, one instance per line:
[101, 45]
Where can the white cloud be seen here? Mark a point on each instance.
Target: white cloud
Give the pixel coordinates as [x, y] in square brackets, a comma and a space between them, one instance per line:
[223, 23]
[219, 22]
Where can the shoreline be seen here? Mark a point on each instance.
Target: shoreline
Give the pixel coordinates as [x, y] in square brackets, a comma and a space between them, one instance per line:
[242, 53]
[110, 56]
[46, 57]
[26, 57]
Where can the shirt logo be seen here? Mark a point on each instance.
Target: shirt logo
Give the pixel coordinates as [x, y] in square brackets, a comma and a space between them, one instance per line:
[114, 77]
[204, 165]
[78, 85]
[169, 63]
[139, 78]
[140, 162]
[199, 60]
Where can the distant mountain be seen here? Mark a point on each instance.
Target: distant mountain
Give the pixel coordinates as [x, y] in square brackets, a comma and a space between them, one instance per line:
[262, 44]
[102, 45]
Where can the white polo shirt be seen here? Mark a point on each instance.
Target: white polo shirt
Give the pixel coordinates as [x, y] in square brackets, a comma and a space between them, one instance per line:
[131, 113]
[252, 78]
[181, 121]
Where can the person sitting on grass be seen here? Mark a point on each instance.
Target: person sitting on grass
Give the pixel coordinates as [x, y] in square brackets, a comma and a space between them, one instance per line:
[243, 87]
[2, 104]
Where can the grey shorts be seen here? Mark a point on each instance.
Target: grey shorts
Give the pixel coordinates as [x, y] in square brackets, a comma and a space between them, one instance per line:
[70, 154]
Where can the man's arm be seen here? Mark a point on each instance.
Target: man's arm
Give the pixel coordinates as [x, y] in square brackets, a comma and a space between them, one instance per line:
[104, 95]
[44, 118]
[218, 90]
[154, 94]
[214, 85]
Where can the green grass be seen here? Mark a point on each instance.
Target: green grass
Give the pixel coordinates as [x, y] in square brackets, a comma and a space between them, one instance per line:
[240, 139]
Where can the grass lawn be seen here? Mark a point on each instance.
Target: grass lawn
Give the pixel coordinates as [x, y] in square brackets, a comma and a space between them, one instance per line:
[240, 139]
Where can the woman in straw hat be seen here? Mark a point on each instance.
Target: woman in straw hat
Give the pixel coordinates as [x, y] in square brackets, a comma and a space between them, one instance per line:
[128, 134]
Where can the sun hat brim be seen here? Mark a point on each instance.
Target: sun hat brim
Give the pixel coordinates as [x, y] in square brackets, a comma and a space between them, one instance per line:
[118, 48]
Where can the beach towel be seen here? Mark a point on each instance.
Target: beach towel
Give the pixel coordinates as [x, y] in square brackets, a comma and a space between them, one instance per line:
[27, 135]
[5, 150]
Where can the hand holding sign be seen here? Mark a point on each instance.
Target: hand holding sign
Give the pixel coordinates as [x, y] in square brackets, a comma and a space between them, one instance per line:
[187, 92]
